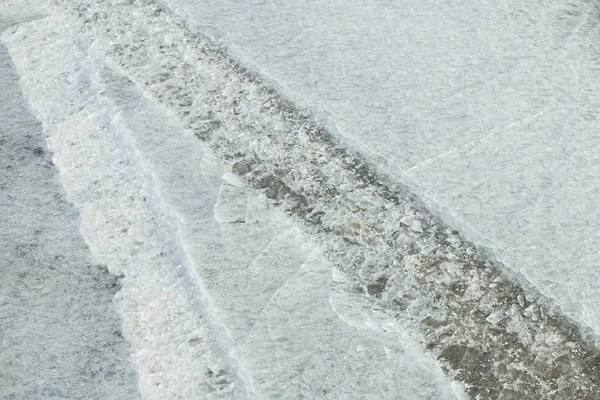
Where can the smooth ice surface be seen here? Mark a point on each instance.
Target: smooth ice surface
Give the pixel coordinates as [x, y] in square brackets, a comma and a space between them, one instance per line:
[60, 334]
[488, 109]
[223, 297]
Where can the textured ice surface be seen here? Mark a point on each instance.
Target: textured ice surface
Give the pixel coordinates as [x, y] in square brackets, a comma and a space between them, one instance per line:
[222, 296]
[60, 334]
[122, 219]
[17, 11]
[394, 263]
[489, 108]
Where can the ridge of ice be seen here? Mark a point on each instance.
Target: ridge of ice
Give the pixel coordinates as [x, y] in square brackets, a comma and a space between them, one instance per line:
[487, 110]
[212, 305]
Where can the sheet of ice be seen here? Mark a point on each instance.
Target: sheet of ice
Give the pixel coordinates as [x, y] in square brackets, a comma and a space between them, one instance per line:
[13, 12]
[60, 334]
[535, 199]
[219, 288]
[488, 109]
[315, 353]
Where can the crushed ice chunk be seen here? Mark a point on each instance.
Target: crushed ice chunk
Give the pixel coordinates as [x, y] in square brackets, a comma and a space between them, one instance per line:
[531, 312]
[496, 317]
[521, 300]
[407, 220]
[233, 179]
[553, 339]
[452, 268]
[417, 226]
[454, 242]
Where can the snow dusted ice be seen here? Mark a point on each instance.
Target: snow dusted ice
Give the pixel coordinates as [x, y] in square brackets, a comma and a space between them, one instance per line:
[261, 257]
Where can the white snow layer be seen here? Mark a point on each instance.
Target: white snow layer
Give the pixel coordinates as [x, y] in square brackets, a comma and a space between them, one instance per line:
[223, 297]
[487, 109]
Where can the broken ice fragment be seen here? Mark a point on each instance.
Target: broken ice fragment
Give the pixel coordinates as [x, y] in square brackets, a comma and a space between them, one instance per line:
[496, 317]
[407, 220]
[417, 226]
[233, 180]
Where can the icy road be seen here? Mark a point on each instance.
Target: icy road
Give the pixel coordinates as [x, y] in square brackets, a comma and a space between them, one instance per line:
[316, 199]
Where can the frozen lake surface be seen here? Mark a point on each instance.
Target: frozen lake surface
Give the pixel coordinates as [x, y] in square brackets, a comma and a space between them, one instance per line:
[60, 334]
[262, 257]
